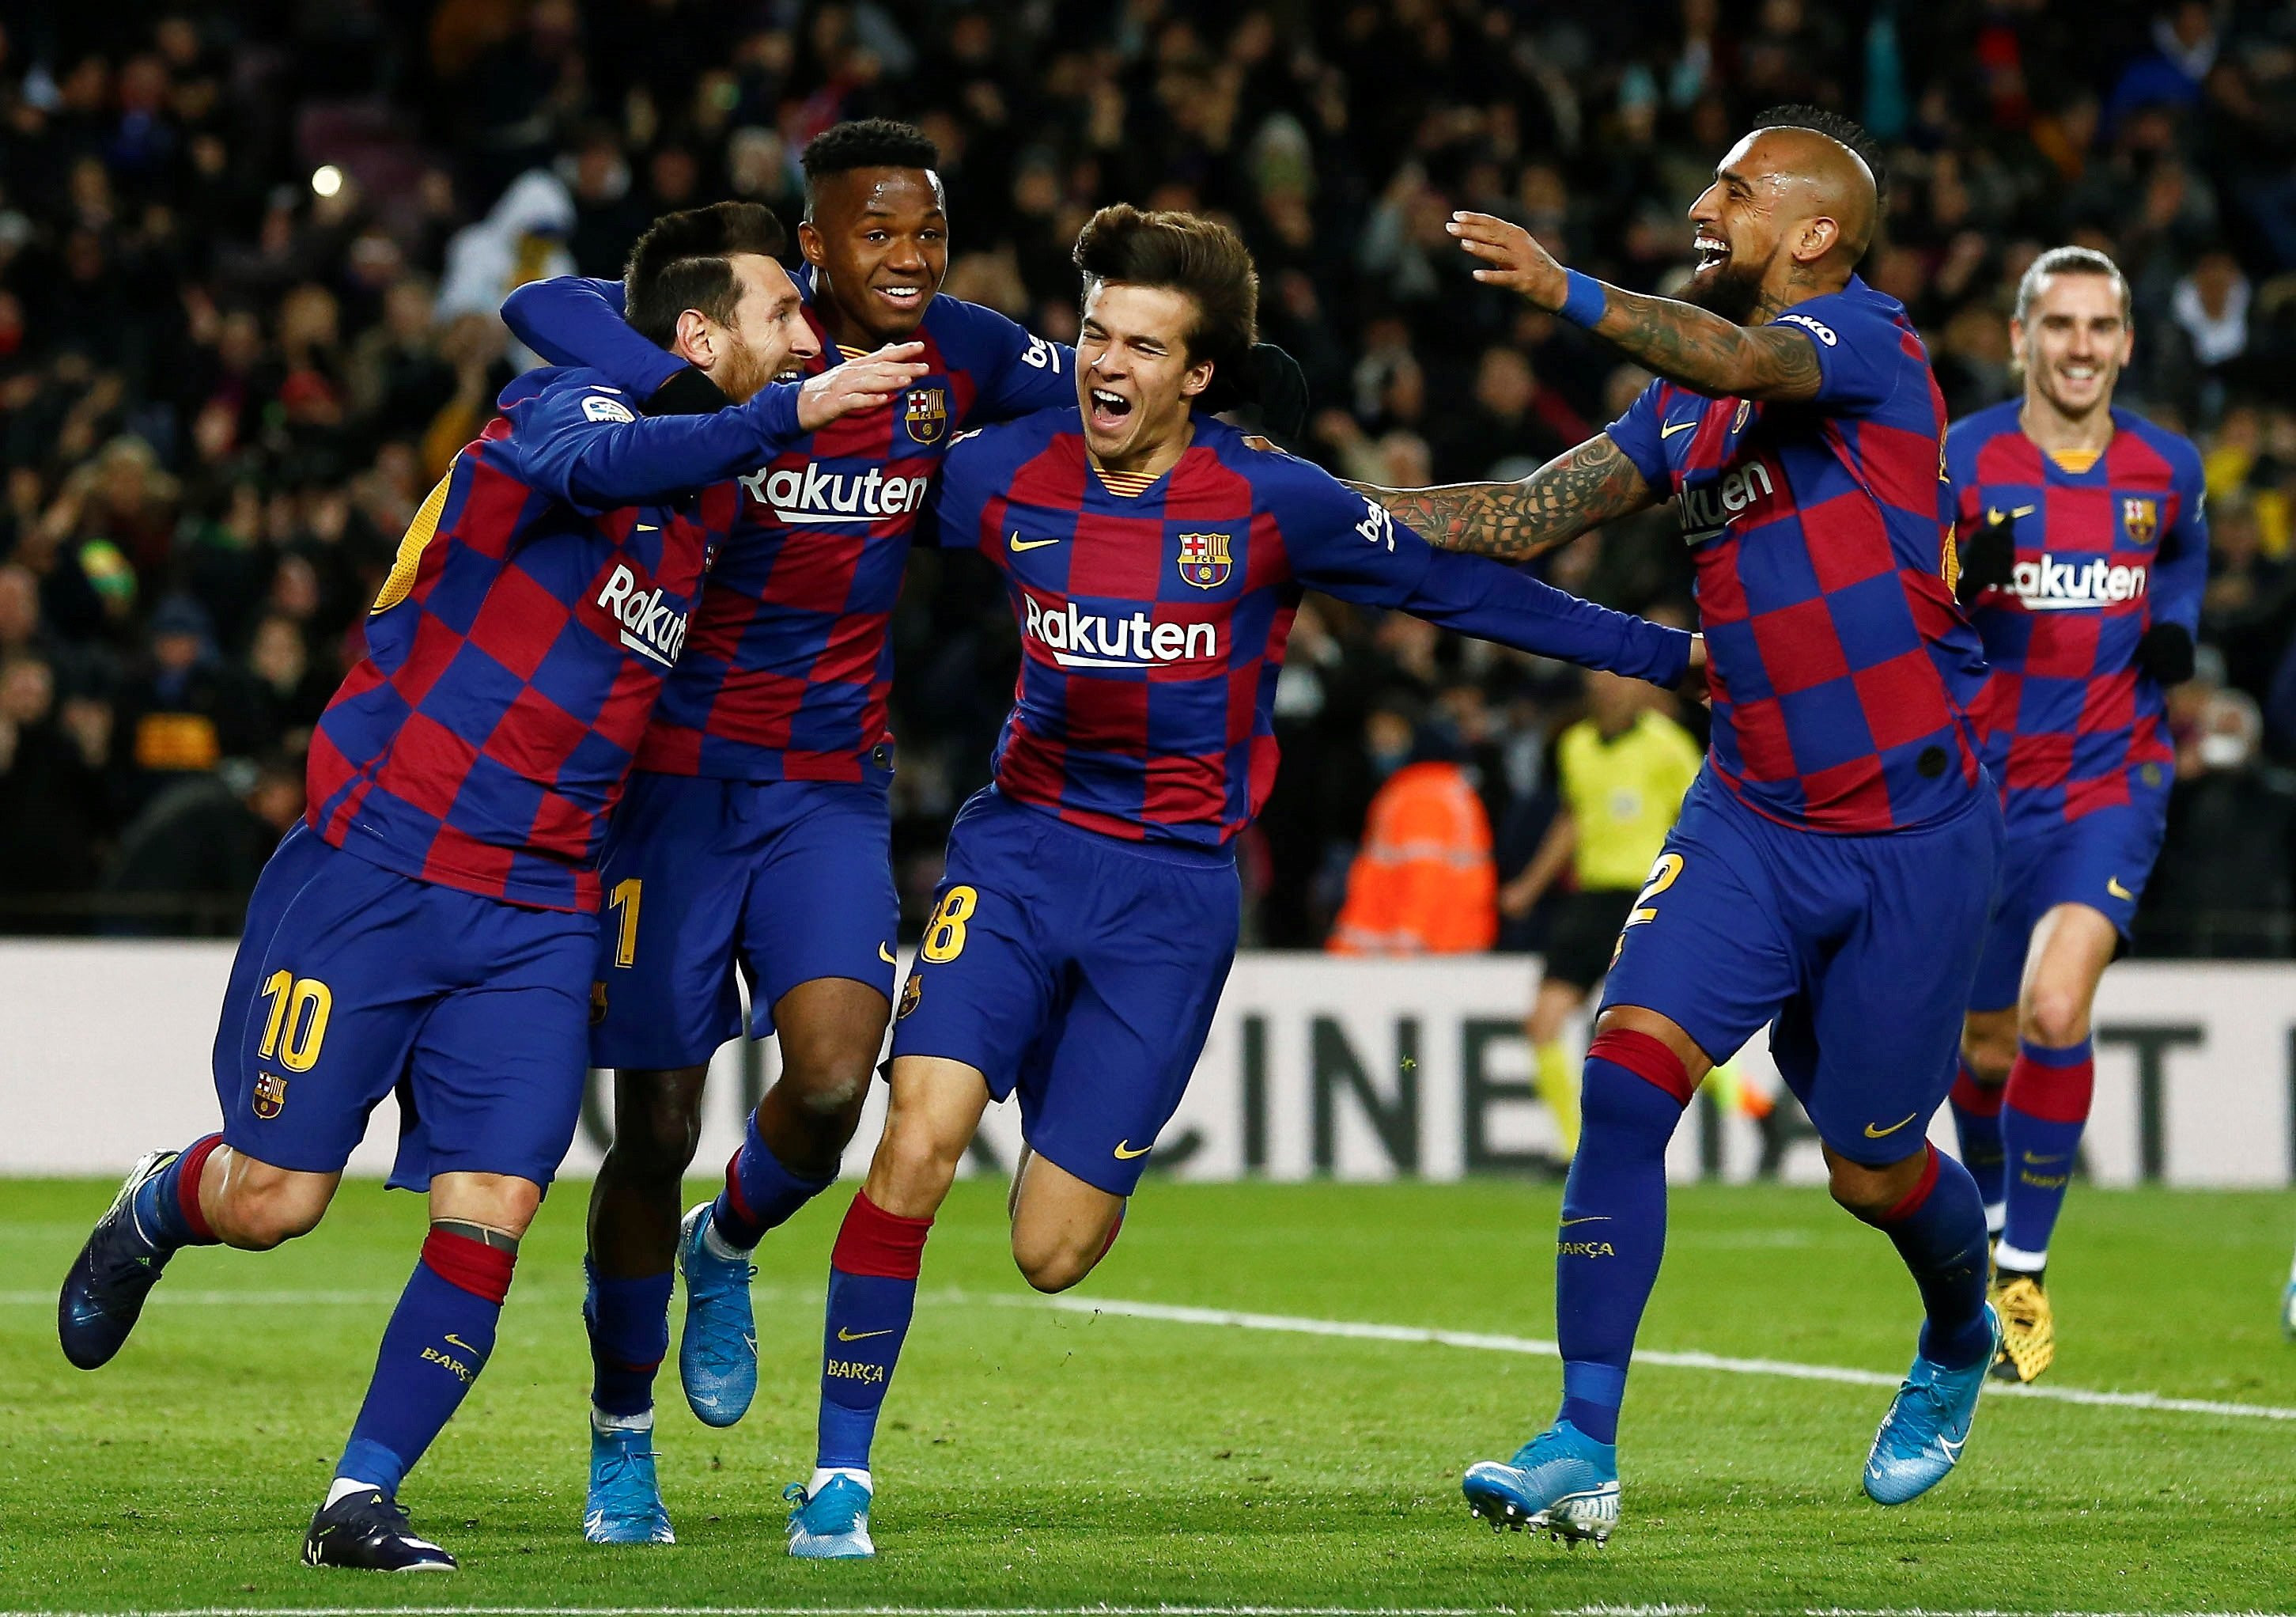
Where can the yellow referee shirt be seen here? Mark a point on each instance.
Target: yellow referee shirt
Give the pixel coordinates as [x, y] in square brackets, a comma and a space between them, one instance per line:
[1625, 793]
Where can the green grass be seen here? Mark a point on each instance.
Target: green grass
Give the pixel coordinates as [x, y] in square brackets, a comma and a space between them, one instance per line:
[1040, 1458]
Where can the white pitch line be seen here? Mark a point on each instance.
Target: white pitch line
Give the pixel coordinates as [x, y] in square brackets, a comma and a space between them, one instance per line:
[1351, 1329]
[1082, 1611]
[1537, 1347]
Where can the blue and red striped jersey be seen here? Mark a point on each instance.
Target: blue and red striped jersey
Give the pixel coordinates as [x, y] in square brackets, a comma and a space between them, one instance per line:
[514, 654]
[2104, 549]
[788, 670]
[1841, 669]
[1154, 614]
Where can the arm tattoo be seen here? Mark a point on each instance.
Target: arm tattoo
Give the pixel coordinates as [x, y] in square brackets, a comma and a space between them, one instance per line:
[1575, 491]
[1709, 355]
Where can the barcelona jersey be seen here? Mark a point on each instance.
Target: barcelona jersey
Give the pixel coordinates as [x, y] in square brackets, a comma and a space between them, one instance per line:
[1154, 614]
[2104, 549]
[789, 666]
[1841, 670]
[515, 653]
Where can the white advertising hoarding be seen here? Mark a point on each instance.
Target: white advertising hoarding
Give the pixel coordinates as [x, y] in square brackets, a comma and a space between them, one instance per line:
[1356, 1069]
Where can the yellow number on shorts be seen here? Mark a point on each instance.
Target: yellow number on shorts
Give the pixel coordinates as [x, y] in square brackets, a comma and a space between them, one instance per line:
[945, 936]
[299, 1011]
[624, 898]
[1661, 877]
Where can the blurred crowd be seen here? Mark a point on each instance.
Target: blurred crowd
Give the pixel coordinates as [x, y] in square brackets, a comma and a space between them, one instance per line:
[250, 254]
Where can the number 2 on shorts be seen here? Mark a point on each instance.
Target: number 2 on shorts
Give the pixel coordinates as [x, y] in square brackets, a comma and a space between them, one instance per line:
[945, 933]
[1661, 877]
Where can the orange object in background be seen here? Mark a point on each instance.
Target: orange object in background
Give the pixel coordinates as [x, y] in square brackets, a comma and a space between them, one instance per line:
[1424, 882]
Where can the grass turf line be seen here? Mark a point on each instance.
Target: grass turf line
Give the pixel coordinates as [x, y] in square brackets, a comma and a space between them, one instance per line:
[1040, 1458]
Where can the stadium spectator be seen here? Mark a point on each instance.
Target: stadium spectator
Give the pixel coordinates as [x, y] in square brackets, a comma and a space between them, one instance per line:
[248, 269]
[1422, 881]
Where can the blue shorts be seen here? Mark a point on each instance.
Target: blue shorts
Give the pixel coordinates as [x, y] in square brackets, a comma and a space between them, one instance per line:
[1858, 951]
[1080, 970]
[2102, 859]
[352, 981]
[782, 880]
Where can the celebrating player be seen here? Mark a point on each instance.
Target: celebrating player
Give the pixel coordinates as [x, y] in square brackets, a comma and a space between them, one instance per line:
[1088, 913]
[1831, 871]
[2083, 568]
[758, 834]
[432, 924]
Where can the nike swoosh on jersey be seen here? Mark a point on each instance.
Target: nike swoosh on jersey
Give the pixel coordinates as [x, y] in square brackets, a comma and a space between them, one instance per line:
[2112, 885]
[845, 1335]
[886, 955]
[1679, 426]
[1020, 544]
[1123, 1154]
[1994, 514]
[1872, 1133]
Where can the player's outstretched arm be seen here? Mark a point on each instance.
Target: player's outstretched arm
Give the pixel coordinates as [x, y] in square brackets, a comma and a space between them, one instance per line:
[1683, 343]
[1579, 490]
[573, 320]
[583, 445]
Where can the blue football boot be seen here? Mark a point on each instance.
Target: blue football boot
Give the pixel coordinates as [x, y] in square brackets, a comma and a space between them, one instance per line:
[104, 1293]
[1921, 1436]
[833, 1524]
[717, 1357]
[625, 1503]
[1561, 1482]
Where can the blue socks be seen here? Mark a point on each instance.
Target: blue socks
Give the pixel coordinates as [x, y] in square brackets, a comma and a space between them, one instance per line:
[2041, 1125]
[760, 1193]
[167, 1203]
[1612, 1229]
[1938, 1229]
[436, 1344]
[628, 1322]
[1977, 1126]
[872, 1291]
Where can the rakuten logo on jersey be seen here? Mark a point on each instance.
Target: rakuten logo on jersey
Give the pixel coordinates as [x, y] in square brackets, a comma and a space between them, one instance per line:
[1079, 639]
[800, 495]
[2051, 585]
[654, 630]
[1707, 508]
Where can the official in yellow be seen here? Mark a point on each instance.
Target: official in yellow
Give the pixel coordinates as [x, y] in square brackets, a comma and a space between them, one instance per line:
[1622, 770]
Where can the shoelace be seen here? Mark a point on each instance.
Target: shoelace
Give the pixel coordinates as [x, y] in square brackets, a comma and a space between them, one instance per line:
[622, 1462]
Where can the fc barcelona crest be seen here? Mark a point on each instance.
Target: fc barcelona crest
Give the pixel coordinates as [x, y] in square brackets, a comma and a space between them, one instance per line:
[925, 413]
[270, 1095]
[2140, 519]
[1204, 560]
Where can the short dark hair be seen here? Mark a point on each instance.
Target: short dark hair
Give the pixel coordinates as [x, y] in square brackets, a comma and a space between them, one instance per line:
[1835, 127]
[865, 143]
[681, 263]
[1184, 253]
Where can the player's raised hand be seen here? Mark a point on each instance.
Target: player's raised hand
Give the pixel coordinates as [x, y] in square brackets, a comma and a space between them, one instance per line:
[858, 385]
[1512, 258]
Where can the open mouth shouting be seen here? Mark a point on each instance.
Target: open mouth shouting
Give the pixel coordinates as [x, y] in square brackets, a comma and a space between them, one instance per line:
[1111, 410]
[1707, 253]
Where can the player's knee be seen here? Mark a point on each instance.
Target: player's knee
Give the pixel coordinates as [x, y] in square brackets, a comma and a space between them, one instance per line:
[912, 1168]
[2055, 1016]
[1056, 1261]
[829, 1088]
[655, 1140]
[258, 1214]
[1866, 1192]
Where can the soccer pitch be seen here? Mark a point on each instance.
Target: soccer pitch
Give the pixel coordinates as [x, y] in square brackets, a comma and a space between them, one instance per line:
[1160, 1453]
